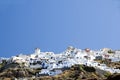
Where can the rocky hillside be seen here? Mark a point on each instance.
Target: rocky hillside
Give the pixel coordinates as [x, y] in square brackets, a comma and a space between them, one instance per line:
[15, 70]
[80, 72]
[76, 72]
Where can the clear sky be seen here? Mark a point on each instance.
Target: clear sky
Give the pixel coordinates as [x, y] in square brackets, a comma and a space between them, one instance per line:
[53, 25]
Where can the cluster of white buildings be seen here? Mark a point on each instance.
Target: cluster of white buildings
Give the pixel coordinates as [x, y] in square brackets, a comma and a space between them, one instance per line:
[52, 64]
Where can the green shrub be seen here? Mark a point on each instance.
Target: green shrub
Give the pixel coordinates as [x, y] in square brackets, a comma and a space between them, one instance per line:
[107, 74]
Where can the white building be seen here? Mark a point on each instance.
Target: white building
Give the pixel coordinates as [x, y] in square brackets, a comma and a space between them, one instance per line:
[52, 63]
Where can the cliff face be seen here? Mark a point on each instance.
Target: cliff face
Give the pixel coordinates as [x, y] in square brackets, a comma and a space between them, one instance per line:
[76, 72]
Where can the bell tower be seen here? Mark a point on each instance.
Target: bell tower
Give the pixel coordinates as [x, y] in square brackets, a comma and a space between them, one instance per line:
[37, 51]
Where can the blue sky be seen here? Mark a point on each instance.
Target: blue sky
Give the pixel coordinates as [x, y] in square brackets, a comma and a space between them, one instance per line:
[53, 25]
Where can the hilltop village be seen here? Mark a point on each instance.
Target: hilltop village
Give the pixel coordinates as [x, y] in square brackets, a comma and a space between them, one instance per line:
[52, 64]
